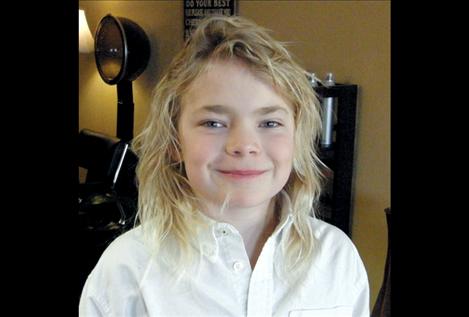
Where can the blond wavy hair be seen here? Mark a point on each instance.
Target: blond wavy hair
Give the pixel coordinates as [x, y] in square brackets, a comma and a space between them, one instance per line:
[167, 205]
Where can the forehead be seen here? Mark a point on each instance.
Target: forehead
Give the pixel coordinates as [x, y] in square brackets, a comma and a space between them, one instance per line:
[232, 83]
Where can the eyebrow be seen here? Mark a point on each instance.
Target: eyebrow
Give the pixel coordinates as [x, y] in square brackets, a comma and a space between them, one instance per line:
[220, 109]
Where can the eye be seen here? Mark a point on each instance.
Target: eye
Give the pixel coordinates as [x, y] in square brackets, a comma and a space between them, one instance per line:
[212, 124]
[270, 124]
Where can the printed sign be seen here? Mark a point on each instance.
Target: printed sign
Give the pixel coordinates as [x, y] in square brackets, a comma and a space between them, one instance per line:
[196, 10]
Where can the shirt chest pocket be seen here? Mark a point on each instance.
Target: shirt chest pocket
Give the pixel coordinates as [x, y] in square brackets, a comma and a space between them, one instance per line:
[323, 312]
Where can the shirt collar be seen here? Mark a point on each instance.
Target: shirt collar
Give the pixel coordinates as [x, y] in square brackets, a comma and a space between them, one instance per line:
[211, 230]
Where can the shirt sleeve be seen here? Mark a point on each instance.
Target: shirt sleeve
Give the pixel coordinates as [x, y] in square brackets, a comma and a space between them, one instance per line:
[361, 304]
[89, 305]
[112, 288]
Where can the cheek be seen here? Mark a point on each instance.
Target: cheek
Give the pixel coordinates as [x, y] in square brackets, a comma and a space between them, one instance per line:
[280, 149]
[197, 153]
[281, 152]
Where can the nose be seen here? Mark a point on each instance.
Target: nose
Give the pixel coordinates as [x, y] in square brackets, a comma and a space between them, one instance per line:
[242, 141]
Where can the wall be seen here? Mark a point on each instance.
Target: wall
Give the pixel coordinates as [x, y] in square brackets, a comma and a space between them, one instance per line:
[349, 38]
[162, 22]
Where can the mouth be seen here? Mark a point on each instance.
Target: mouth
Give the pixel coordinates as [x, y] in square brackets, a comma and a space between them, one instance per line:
[242, 174]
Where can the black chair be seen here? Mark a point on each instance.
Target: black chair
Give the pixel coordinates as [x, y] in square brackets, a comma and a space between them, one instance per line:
[108, 197]
[382, 306]
[94, 154]
[110, 180]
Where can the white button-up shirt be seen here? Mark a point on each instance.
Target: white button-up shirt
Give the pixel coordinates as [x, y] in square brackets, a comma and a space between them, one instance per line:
[128, 281]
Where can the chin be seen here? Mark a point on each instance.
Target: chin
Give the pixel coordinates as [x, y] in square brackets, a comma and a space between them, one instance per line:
[248, 200]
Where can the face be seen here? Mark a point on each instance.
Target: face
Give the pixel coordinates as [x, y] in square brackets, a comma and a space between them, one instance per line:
[237, 137]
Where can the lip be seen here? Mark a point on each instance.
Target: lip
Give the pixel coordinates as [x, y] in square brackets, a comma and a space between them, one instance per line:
[242, 174]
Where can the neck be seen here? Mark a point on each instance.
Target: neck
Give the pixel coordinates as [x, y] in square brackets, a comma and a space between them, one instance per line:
[255, 224]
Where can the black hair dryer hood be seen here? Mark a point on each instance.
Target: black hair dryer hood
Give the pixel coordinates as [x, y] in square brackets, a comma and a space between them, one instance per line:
[122, 49]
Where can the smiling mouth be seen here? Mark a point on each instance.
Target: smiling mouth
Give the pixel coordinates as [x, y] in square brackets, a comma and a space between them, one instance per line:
[242, 174]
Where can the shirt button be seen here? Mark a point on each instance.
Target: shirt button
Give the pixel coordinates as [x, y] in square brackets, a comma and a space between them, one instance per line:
[238, 266]
[223, 232]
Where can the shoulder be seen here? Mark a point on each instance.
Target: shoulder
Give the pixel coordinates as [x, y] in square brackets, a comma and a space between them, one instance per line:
[122, 262]
[330, 237]
[120, 268]
[334, 249]
[129, 243]
[127, 252]
[337, 270]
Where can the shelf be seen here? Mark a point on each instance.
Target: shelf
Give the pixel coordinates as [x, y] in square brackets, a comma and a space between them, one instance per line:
[335, 204]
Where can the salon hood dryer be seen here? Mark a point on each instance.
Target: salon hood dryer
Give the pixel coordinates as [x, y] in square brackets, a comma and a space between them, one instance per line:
[122, 51]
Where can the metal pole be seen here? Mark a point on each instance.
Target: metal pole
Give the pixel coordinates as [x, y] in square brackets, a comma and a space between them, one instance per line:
[125, 111]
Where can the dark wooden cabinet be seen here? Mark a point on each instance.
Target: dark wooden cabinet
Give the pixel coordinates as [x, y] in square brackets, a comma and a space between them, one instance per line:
[335, 204]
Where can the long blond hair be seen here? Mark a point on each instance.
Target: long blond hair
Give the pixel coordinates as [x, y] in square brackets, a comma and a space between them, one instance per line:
[167, 204]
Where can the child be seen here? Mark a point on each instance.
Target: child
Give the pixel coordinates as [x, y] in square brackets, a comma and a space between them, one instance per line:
[228, 180]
